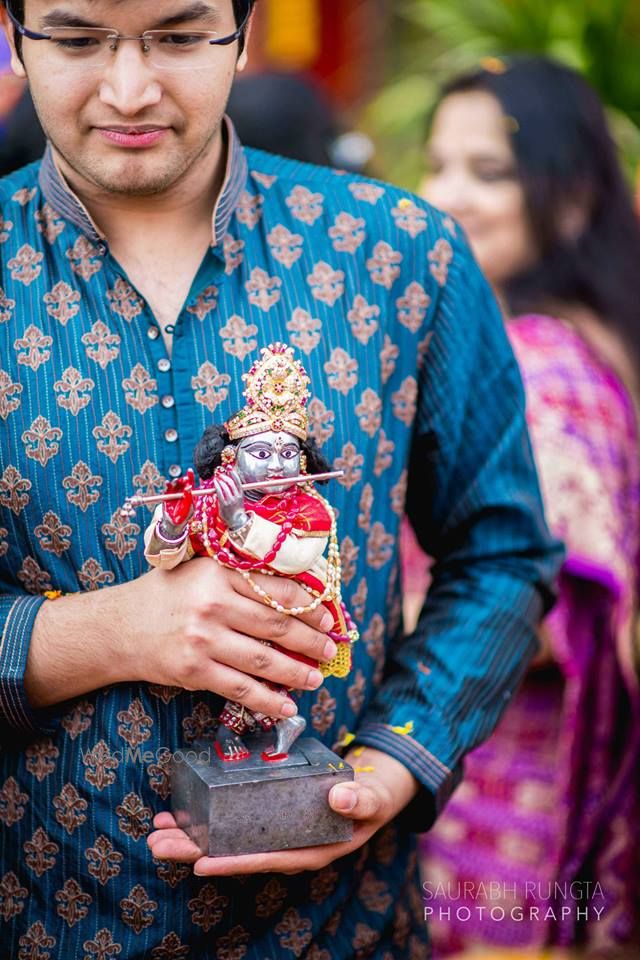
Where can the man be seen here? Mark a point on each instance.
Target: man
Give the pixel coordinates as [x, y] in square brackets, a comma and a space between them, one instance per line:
[143, 264]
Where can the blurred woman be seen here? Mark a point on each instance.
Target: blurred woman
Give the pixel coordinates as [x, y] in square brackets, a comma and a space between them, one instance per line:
[548, 812]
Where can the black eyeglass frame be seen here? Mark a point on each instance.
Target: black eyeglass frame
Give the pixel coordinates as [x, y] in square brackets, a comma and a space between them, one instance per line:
[238, 34]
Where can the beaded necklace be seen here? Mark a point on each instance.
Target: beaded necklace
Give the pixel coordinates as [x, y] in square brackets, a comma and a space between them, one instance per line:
[217, 551]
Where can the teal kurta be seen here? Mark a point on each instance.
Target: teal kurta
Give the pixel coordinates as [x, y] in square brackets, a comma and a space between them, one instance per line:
[416, 396]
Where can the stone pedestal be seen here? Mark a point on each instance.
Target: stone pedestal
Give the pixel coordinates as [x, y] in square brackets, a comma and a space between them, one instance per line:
[255, 806]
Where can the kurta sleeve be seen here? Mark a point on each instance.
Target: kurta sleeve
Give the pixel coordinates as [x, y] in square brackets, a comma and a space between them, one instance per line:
[474, 502]
[17, 616]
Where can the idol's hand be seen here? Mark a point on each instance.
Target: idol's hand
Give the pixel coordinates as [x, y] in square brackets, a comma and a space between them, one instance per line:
[179, 511]
[226, 483]
[382, 788]
[200, 627]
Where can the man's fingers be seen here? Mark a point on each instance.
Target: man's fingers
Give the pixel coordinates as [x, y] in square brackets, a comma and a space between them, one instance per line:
[163, 820]
[235, 662]
[289, 594]
[166, 833]
[236, 686]
[281, 861]
[289, 632]
[260, 660]
[178, 848]
[356, 801]
[168, 842]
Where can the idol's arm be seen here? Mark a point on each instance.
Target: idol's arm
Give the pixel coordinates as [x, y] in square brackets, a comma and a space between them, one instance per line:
[159, 550]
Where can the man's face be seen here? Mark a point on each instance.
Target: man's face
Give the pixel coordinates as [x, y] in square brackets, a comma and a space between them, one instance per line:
[268, 456]
[131, 123]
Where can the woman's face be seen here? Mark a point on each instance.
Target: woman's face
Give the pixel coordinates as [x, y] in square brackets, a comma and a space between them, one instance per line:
[472, 176]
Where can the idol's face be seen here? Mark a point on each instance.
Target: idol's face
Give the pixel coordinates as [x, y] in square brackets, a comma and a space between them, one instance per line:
[130, 120]
[471, 174]
[268, 456]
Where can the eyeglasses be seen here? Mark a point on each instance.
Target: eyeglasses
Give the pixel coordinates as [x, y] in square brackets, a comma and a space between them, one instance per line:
[89, 48]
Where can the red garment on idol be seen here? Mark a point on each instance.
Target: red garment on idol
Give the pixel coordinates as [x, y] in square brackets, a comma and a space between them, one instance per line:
[308, 515]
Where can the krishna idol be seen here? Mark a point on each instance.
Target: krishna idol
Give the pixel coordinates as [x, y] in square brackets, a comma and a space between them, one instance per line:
[258, 512]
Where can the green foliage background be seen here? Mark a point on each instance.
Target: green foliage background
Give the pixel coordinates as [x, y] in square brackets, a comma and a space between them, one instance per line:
[432, 40]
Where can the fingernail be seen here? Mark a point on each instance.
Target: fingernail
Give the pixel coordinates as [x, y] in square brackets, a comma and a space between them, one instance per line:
[314, 679]
[330, 650]
[327, 622]
[198, 871]
[344, 799]
[288, 709]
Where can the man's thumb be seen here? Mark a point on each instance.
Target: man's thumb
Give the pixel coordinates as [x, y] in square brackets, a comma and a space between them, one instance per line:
[354, 800]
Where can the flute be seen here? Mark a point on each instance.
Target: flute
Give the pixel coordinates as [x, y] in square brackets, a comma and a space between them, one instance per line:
[131, 503]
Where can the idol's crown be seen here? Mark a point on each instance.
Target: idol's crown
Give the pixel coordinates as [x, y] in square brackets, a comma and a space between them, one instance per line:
[276, 394]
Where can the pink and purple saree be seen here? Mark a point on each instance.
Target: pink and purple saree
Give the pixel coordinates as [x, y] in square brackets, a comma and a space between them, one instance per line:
[548, 815]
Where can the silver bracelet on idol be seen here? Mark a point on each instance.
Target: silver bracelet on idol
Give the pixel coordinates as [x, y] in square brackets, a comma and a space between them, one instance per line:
[171, 541]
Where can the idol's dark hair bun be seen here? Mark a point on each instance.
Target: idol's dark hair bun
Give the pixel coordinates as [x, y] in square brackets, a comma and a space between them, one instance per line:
[208, 452]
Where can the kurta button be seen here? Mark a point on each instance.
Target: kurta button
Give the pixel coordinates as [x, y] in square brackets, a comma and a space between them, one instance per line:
[153, 333]
[168, 401]
[164, 364]
[174, 470]
[171, 435]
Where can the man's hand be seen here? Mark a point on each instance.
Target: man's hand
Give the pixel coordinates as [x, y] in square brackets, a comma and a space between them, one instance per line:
[202, 630]
[199, 626]
[382, 788]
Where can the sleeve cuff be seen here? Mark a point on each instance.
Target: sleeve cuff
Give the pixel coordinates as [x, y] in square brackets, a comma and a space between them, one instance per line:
[435, 780]
[16, 712]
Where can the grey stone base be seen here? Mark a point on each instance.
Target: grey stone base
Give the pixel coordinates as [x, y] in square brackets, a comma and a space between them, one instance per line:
[253, 806]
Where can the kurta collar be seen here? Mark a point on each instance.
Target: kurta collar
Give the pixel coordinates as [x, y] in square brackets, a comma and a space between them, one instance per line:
[64, 201]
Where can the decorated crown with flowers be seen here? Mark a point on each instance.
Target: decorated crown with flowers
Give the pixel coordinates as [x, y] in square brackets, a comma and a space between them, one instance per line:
[276, 394]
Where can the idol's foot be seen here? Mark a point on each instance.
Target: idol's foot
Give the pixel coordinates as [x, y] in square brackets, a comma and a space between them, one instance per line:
[287, 731]
[230, 747]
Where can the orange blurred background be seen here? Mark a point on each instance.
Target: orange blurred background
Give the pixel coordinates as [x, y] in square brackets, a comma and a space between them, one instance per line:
[341, 44]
